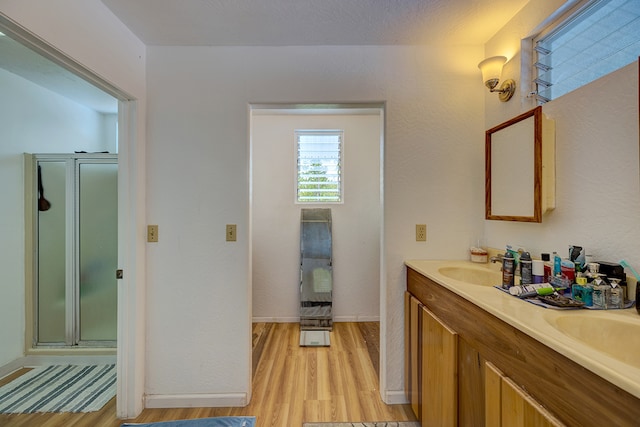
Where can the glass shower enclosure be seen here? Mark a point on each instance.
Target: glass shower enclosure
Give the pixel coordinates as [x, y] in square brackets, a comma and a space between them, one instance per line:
[74, 228]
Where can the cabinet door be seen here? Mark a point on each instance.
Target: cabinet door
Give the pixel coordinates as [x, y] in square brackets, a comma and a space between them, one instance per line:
[471, 385]
[407, 345]
[509, 405]
[492, 396]
[415, 344]
[439, 372]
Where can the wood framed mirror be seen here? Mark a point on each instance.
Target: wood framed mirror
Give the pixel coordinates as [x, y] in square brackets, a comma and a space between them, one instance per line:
[513, 169]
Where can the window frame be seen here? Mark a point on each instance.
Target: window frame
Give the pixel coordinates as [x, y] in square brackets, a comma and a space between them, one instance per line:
[341, 174]
[564, 17]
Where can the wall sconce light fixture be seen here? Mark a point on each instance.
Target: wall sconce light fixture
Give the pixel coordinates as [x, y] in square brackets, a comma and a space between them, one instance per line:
[491, 71]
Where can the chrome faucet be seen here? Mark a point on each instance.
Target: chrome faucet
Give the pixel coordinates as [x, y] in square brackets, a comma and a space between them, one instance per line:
[497, 258]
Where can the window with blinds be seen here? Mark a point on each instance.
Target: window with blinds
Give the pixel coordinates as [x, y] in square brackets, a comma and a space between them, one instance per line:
[601, 37]
[319, 166]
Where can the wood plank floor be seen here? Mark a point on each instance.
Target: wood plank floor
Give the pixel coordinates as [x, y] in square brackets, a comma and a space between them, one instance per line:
[291, 385]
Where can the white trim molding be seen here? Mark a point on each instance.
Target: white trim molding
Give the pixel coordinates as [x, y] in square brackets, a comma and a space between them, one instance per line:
[395, 397]
[217, 400]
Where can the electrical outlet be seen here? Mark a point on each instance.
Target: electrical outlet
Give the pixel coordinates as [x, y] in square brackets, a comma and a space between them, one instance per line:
[421, 232]
[152, 233]
[231, 232]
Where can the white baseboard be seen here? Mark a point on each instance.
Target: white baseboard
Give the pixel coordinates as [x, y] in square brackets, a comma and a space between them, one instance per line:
[11, 367]
[276, 320]
[355, 318]
[32, 360]
[195, 400]
[395, 397]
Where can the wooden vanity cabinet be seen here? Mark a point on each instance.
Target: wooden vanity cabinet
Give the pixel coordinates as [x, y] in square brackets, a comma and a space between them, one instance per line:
[537, 385]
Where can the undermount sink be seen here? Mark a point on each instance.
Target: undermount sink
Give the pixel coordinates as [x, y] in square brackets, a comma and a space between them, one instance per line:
[619, 339]
[474, 276]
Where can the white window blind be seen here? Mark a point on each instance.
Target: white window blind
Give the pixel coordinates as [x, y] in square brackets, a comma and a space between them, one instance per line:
[319, 166]
[600, 38]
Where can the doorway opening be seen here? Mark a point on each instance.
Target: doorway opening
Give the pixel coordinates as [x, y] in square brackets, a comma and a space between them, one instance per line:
[357, 219]
[32, 61]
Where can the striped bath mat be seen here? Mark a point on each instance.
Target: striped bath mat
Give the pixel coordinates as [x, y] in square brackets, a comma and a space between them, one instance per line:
[59, 388]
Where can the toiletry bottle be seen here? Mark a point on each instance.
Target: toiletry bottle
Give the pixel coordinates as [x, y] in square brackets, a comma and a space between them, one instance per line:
[516, 257]
[600, 291]
[588, 292]
[526, 269]
[508, 270]
[556, 264]
[580, 291]
[568, 270]
[577, 256]
[538, 271]
[528, 291]
[548, 267]
[593, 268]
[615, 298]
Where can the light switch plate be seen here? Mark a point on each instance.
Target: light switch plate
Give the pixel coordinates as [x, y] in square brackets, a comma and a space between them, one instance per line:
[231, 233]
[152, 233]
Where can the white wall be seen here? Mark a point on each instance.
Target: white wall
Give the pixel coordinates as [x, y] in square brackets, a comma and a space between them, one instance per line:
[199, 290]
[275, 225]
[597, 171]
[32, 120]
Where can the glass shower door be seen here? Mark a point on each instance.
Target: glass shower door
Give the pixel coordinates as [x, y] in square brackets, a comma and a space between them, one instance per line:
[52, 253]
[97, 250]
[76, 288]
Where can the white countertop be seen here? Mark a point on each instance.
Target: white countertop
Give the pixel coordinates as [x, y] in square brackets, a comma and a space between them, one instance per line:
[537, 322]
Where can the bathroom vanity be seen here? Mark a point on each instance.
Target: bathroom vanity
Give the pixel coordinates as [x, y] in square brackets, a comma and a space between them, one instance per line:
[477, 356]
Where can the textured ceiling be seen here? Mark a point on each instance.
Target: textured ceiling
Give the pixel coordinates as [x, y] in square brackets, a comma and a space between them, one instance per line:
[274, 23]
[313, 22]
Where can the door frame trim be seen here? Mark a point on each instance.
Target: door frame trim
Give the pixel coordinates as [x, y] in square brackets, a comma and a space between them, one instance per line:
[131, 212]
[343, 108]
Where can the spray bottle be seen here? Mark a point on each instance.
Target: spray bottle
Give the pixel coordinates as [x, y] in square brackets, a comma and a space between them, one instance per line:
[508, 270]
[526, 268]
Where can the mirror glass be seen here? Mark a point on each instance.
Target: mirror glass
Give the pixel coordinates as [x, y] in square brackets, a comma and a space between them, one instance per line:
[513, 168]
